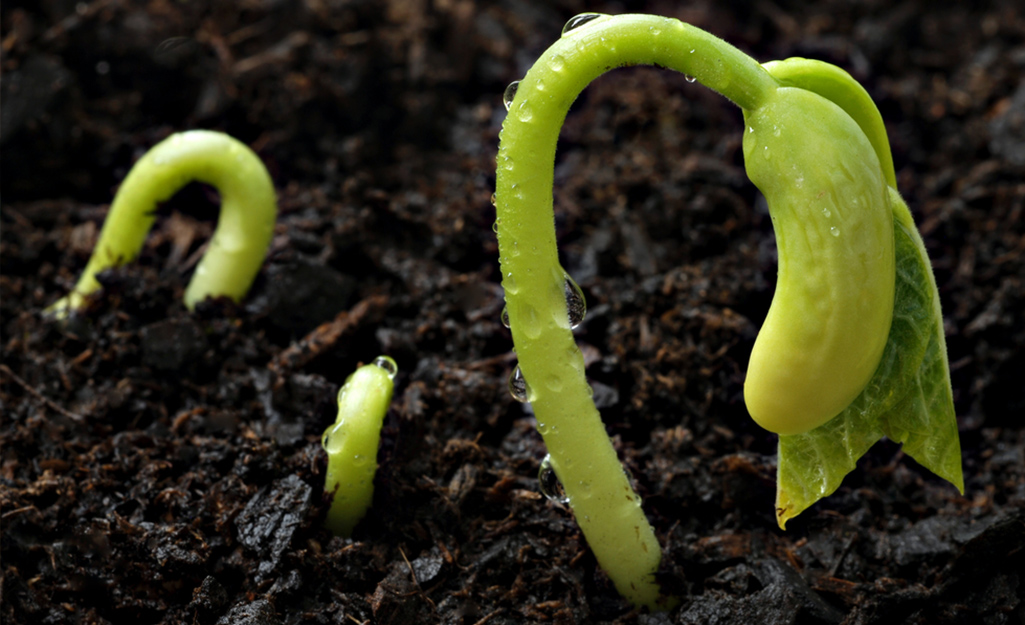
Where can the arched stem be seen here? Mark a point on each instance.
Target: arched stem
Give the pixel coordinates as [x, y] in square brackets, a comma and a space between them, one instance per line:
[603, 502]
[244, 229]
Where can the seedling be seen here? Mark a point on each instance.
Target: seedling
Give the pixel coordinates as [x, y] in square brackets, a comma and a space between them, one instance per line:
[351, 443]
[852, 348]
[243, 233]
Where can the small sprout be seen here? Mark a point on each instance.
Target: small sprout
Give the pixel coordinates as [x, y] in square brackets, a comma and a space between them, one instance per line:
[852, 348]
[351, 443]
[244, 229]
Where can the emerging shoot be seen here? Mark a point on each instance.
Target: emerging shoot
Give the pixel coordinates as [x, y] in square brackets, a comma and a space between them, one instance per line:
[351, 443]
[244, 229]
[815, 146]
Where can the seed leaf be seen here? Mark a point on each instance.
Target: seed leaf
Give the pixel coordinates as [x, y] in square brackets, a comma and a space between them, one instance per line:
[908, 399]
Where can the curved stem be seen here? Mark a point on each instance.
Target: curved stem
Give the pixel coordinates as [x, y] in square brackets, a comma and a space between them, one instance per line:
[600, 495]
[244, 229]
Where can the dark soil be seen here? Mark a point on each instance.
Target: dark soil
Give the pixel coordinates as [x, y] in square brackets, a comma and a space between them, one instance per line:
[160, 466]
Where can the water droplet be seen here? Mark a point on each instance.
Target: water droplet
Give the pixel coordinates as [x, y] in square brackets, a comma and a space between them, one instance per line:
[765, 151]
[494, 226]
[557, 63]
[549, 482]
[554, 383]
[333, 438]
[585, 489]
[388, 364]
[359, 460]
[751, 129]
[494, 199]
[540, 86]
[525, 113]
[825, 211]
[510, 94]
[577, 21]
[834, 231]
[505, 316]
[655, 31]
[576, 305]
[518, 387]
[531, 325]
[689, 78]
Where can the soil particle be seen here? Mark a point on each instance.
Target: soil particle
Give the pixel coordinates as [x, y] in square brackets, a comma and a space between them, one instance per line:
[268, 522]
[172, 345]
[299, 296]
[258, 612]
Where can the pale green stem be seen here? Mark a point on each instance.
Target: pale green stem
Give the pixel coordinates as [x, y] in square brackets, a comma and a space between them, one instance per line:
[244, 229]
[600, 495]
[351, 443]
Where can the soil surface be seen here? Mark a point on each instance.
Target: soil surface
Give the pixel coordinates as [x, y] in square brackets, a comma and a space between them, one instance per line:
[161, 466]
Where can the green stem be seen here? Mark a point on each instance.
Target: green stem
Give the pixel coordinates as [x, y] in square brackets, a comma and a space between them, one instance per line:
[351, 443]
[244, 229]
[605, 506]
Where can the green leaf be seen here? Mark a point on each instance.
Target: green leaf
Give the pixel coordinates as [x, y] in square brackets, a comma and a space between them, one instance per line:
[908, 398]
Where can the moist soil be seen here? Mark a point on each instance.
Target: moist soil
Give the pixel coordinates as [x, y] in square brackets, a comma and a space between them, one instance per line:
[162, 466]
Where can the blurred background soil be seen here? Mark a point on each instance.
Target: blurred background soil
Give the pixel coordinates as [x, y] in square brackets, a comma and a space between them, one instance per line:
[159, 466]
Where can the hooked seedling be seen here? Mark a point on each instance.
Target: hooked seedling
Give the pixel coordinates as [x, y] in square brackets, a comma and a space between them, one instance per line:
[244, 229]
[351, 443]
[853, 344]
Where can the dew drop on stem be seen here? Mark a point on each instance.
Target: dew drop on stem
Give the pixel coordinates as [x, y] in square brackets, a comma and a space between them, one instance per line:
[689, 78]
[388, 364]
[518, 386]
[332, 439]
[549, 483]
[577, 21]
[505, 316]
[510, 94]
[525, 112]
[576, 305]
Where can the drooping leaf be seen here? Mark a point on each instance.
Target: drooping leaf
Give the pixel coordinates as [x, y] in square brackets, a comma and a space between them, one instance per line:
[908, 399]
